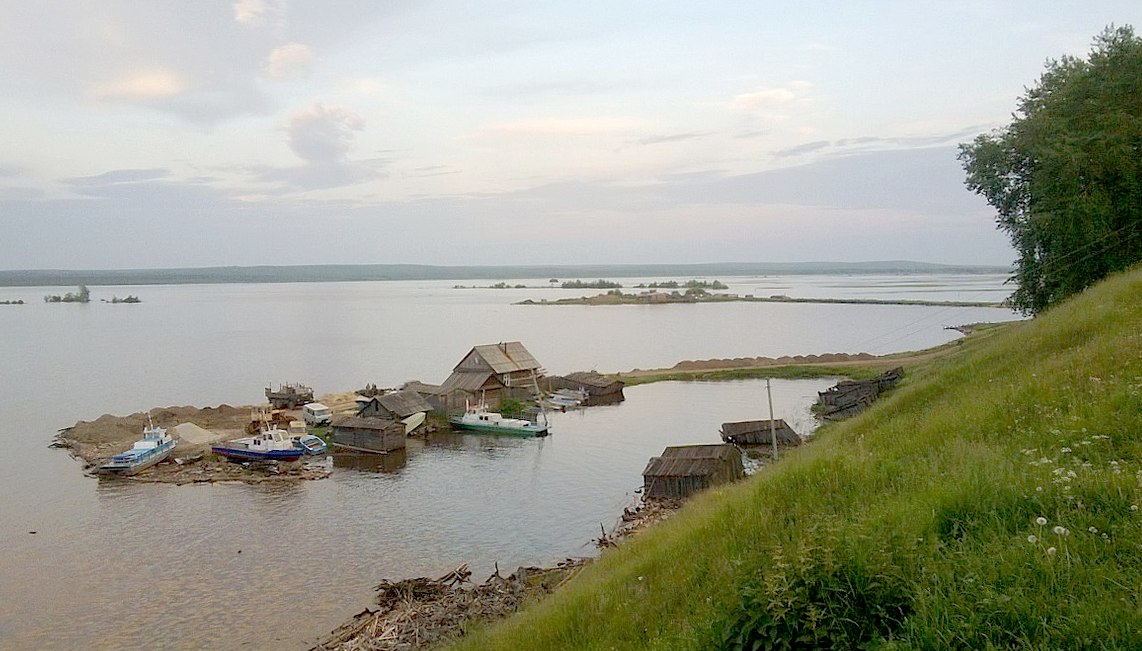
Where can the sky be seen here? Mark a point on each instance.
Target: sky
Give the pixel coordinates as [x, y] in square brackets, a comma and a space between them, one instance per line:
[169, 133]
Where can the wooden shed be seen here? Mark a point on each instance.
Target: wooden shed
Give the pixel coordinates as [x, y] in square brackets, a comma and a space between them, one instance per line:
[393, 406]
[756, 432]
[377, 435]
[601, 390]
[683, 470]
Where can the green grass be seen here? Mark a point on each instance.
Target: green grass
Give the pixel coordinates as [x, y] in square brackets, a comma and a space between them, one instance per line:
[910, 525]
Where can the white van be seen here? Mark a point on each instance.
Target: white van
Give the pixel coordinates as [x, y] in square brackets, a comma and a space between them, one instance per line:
[316, 413]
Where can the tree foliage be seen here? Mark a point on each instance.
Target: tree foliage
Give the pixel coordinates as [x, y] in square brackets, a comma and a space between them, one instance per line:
[1066, 174]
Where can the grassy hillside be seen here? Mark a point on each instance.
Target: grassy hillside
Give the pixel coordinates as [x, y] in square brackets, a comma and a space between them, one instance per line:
[991, 501]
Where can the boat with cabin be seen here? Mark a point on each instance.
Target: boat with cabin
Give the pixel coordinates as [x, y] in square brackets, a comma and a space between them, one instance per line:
[271, 443]
[477, 418]
[155, 446]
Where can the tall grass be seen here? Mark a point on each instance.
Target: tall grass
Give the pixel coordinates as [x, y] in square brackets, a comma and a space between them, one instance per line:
[991, 501]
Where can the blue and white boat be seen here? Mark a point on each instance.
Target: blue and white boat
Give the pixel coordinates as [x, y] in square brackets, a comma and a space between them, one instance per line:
[269, 444]
[310, 444]
[155, 446]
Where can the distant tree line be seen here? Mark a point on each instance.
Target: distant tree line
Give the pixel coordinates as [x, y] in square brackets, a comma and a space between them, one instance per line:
[689, 284]
[591, 284]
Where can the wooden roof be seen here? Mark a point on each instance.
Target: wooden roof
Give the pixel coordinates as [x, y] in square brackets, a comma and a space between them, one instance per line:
[504, 357]
[403, 403]
[591, 378]
[691, 460]
[470, 382]
[785, 433]
[356, 422]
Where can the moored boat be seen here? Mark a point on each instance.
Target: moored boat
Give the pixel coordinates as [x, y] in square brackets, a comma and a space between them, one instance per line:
[310, 444]
[479, 419]
[155, 446]
[269, 444]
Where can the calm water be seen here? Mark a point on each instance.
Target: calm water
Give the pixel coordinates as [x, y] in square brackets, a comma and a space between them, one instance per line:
[121, 565]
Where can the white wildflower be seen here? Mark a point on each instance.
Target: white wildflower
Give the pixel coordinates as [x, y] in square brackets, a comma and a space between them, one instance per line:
[1065, 450]
[1041, 521]
[1032, 539]
[1060, 530]
[1092, 530]
[1050, 551]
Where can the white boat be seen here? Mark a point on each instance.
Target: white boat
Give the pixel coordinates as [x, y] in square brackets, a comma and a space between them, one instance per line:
[564, 399]
[270, 444]
[155, 446]
[412, 422]
[478, 419]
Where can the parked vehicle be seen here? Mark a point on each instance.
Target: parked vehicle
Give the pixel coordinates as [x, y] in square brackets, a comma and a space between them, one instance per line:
[316, 413]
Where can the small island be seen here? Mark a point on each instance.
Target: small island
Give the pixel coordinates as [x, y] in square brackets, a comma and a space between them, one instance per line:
[128, 299]
[700, 295]
[18, 301]
[82, 295]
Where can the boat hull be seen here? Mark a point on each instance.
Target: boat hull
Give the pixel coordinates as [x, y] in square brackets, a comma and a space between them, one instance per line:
[240, 454]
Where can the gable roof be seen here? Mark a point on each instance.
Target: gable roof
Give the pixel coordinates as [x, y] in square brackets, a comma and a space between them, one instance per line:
[356, 422]
[504, 357]
[404, 403]
[470, 382]
[593, 379]
[760, 428]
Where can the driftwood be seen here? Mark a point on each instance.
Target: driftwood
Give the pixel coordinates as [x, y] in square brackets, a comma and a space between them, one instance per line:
[416, 613]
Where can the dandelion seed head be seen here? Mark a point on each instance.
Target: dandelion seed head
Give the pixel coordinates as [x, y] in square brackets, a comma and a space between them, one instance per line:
[1032, 539]
[1050, 551]
[1041, 521]
[1092, 530]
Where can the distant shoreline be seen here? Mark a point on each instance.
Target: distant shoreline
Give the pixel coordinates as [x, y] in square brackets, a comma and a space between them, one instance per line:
[378, 272]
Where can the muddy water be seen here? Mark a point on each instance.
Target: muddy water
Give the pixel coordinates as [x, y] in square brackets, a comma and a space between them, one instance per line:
[115, 564]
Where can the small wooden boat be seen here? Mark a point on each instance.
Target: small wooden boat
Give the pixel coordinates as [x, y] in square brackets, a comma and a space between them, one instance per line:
[310, 444]
[479, 419]
[146, 452]
[269, 444]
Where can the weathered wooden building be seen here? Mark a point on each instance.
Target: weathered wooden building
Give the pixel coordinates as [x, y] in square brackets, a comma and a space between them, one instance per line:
[600, 389]
[491, 373]
[683, 470]
[850, 397]
[377, 435]
[397, 405]
[757, 432]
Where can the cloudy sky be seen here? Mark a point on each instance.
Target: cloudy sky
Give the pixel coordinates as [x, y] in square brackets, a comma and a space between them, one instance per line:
[168, 133]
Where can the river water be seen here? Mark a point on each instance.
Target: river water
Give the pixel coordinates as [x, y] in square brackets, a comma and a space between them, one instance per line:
[120, 565]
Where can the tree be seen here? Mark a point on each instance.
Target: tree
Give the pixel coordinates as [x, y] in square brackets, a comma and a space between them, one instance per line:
[1066, 174]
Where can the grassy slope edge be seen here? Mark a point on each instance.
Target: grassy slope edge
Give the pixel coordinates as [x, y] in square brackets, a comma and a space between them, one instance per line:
[913, 525]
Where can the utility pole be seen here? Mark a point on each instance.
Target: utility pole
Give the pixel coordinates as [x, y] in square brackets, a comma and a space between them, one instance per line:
[772, 425]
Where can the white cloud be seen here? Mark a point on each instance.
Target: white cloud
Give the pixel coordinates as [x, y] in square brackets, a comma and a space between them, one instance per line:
[250, 12]
[289, 61]
[140, 86]
[323, 135]
[564, 127]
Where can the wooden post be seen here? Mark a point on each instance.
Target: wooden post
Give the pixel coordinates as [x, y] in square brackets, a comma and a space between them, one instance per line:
[772, 425]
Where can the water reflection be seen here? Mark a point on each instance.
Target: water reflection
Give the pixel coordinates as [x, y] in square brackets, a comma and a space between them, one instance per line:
[365, 462]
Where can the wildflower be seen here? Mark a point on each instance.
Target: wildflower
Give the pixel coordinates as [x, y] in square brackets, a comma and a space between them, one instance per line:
[1065, 450]
[1050, 551]
[1060, 530]
[1038, 489]
[1092, 530]
[1133, 507]
[1032, 539]
[1041, 521]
